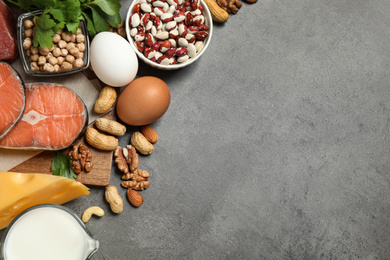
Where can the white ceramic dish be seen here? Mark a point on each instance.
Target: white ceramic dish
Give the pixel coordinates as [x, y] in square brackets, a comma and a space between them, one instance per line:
[208, 22]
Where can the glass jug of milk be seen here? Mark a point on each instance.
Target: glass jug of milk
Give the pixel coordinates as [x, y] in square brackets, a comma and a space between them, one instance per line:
[49, 232]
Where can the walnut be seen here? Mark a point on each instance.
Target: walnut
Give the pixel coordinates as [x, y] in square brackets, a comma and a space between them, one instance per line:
[81, 158]
[131, 156]
[127, 161]
[121, 160]
[137, 175]
[137, 180]
[230, 6]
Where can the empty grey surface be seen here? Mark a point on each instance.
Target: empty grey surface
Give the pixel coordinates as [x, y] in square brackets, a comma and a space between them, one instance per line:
[275, 145]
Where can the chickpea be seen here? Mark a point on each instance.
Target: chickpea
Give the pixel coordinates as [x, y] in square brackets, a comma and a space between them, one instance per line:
[34, 66]
[74, 51]
[79, 31]
[43, 51]
[80, 38]
[27, 43]
[56, 38]
[56, 68]
[66, 66]
[28, 52]
[59, 31]
[53, 61]
[80, 55]
[62, 44]
[41, 60]
[60, 60]
[34, 57]
[73, 38]
[66, 36]
[111, 29]
[49, 55]
[34, 50]
[57, 52]
[80, 46]
[78, 63]
[69, 58]
[70, 45]
[28, 24]
[64, 52]
[28, 33]
[48, 67]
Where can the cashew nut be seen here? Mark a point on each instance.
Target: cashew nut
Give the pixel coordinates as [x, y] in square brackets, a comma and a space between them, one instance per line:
[94, 210]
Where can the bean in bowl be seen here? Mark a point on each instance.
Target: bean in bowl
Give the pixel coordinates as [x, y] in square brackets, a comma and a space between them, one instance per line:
[168, 32]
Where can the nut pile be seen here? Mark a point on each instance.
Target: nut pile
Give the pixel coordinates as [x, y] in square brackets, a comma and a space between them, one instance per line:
[127, 160]
[67, 52]
[168, 32]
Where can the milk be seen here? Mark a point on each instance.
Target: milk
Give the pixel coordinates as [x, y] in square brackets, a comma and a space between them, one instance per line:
[48, 233]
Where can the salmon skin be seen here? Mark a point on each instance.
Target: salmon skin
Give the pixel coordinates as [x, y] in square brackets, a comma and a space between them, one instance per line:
[12, 98]
[53, 119]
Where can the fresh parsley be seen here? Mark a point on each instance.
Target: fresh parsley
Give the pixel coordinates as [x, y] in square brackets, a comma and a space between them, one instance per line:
[62, 166]
[67, 14]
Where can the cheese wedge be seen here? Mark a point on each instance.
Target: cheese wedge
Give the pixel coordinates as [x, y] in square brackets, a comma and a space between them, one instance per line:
[19, 191]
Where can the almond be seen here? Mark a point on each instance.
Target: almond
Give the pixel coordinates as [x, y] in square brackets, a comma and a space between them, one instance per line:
[149, 133]
[134, 197]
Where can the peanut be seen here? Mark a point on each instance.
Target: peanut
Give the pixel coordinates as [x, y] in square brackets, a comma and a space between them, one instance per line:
[110, 126]
[113, 198]
[139, 141]
[101, 141]
[94, 210]
[105, 100]
[218, 14]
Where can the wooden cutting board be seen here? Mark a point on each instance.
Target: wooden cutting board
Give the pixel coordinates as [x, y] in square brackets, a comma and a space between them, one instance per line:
[101, 160]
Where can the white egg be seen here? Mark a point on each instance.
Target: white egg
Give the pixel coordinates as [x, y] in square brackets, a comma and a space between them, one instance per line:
[112, 59]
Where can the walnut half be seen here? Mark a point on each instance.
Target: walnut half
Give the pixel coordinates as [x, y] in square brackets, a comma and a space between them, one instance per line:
[230, 6]
[81, 158]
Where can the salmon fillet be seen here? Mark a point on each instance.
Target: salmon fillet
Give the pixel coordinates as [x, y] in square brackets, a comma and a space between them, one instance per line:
[53, 118]
[12, 98]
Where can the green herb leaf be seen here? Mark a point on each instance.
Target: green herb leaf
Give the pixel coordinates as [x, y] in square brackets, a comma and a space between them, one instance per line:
[99, 20]
[44, 32]
[62, 166]
[72, 26]
[44, 3]
[109, 7]
[57, 14]
[90, 26]
[113, 20]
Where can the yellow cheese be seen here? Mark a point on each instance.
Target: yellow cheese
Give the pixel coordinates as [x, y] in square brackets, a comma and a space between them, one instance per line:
[19, 191]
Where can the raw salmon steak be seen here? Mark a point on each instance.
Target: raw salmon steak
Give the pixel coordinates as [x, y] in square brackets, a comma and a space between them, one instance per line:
[53, 119]
[12, 98]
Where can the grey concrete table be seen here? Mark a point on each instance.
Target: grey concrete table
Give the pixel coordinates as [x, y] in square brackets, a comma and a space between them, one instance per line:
[275, 145]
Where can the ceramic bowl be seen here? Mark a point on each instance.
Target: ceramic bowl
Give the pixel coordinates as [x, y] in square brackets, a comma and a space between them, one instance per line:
[25, 58]
[207, 21]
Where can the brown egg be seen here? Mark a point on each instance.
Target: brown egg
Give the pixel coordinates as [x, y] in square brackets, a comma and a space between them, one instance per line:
[143, 101]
